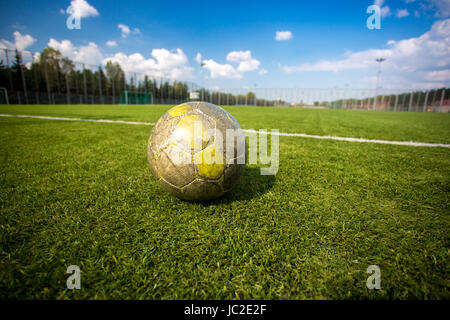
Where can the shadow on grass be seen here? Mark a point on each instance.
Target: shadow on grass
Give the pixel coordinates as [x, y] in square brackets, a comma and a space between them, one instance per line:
[251, 185]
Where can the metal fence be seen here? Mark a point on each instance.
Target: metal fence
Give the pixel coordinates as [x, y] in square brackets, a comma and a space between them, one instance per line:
[430, 100]
[50, 79]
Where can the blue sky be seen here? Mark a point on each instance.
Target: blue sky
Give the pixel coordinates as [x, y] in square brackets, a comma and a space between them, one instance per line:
[330, 44]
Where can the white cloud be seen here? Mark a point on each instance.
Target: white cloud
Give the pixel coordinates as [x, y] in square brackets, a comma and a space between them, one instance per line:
[246, 62]
[442, 8]
[36, 57]
[441, 75]
[198, 58]
[65, 47]
[402, 13]
[126, 31]
[239, 55]
[283, 35]
[165, 63]
[82, 9]
[408, 61]
[390, 42]
[249, 65]
[21, 42]
[221, 70]
[111, 43]
[89, 54]
[262, 71]
[169, 59]
[384, 11]
[6, 44]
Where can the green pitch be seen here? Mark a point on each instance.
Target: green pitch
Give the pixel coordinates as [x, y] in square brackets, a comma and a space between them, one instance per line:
[81, 193]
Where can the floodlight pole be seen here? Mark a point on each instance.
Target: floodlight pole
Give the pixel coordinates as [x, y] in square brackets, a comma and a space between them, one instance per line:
[9, 71]
[379, 60]
[202, 64]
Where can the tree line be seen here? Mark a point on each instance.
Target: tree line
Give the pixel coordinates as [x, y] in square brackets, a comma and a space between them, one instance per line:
[53, 74]
[56, 74]
[432, 97]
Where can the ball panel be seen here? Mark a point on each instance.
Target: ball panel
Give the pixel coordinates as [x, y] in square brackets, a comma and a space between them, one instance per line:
[171, 188]
[161, 133]
[179, 110]
[223, 121]
[175, 166]
[184, 132]
[209, 162]
[211, 110]
[199, 190]
[152, 157]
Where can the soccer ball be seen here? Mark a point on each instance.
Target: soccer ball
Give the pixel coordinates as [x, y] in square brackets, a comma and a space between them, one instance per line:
[197, 151]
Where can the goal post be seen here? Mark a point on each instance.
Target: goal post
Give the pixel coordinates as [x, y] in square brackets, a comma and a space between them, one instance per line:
[4, 96]
[133, 97]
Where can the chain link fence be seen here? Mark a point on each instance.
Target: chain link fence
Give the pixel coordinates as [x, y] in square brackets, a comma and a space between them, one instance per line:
[431, 100]
[47, 78]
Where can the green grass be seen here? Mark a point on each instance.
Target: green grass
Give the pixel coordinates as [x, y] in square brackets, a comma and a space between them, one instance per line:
[82, 193]
[402, 126]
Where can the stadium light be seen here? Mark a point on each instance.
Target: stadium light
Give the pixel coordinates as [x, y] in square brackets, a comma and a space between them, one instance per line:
[379, 60]
[202, 64]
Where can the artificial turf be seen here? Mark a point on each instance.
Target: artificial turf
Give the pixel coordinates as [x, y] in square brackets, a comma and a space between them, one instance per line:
[81, 193]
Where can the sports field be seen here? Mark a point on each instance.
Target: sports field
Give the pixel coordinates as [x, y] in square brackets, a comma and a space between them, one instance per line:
[81, 193]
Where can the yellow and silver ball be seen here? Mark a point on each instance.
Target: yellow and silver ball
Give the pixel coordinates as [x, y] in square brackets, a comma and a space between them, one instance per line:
[187, 151]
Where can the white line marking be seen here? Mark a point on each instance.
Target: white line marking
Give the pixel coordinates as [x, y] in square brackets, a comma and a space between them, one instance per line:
[78, 119]
[303, 135]
[401, 143]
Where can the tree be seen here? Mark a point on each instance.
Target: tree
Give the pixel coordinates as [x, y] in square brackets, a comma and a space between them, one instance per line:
[17, 69]
[50, 68]
[4, 82]
[66, 66]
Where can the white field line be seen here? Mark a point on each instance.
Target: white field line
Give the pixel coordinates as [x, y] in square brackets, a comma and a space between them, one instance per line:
[303, 135]
[400, 143]
[78, 119]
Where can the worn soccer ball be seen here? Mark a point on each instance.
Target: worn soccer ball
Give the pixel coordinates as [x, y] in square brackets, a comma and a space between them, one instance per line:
[187, 151]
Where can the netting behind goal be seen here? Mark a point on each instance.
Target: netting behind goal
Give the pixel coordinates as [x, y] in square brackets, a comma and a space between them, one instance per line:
[130, 97]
